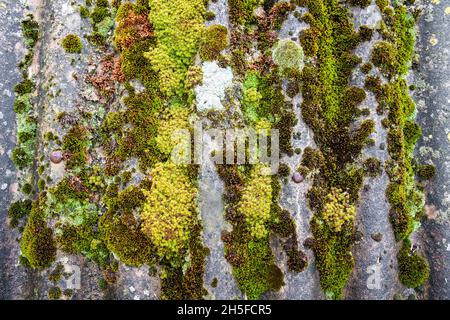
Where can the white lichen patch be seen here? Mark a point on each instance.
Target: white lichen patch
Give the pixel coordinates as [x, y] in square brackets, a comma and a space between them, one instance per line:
[216, 80]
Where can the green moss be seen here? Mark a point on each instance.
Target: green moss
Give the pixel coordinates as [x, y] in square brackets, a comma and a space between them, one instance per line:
[105, 26]
[41, 184]
[84, 12]
[54, 293]
[412, 132]
[252, 260]
[330, 107]
[365, 33]
[171, 193]
[215, 40]
[21, 157]
[27, 188]
[23, 104]
[102, 3]
[72, 44]
[359, 3]
[333, 258]
[25, 87]
[403, 35]
[284, 170]
[406, 201]
[30, 31]
[255, 203]
[177, 41]
[372, 167]
[338, 211]
[175, 118]
[209, 16]
[68, 293]
[75, 143]
[309, 42]
[256, 273]
[18, 210]
[426, 171]
[241, 11]
[413, 268]
[193, 277]
[384, 56]
[57, 273]
[125, 239]
[37, 243]
[366, 67]
[139, 141]
[382, 4]
[99, 13]
[96, 39]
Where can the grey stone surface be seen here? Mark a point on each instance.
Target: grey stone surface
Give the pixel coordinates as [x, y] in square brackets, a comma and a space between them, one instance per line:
[12, 50]
[375, 273]
[433, 100]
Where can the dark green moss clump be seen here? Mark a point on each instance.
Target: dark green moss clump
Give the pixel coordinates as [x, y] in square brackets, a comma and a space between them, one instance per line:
[372, 167]
[30, 31]
[189, 284]
[413, 269]
[241, 11]
[124, 238]
[84, 12]
[18, 210]
[252, 259]
[75, 144]
[334, 260]
[99, 13]
[120, 230]
[382, 4]
[27, 188]
[365, 33]
[384, 57]
[25, 87]
[72, 43]
[330, 108]
[426, 171]
[21, 158]
[215, 40]
[37, 243]
[359, 3]
[393, 58]
[366, 67]
[54, 293]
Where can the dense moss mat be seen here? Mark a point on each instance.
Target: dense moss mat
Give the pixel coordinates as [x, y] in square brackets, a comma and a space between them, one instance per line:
[252, 198]
[329, 108]
[179, 28]
[150, 43]
[413, 268]
[37, 243]
[249, 254]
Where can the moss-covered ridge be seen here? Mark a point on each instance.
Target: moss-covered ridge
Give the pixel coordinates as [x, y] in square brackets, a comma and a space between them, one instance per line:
[404, 194]
[329, 108]
[251, 197]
